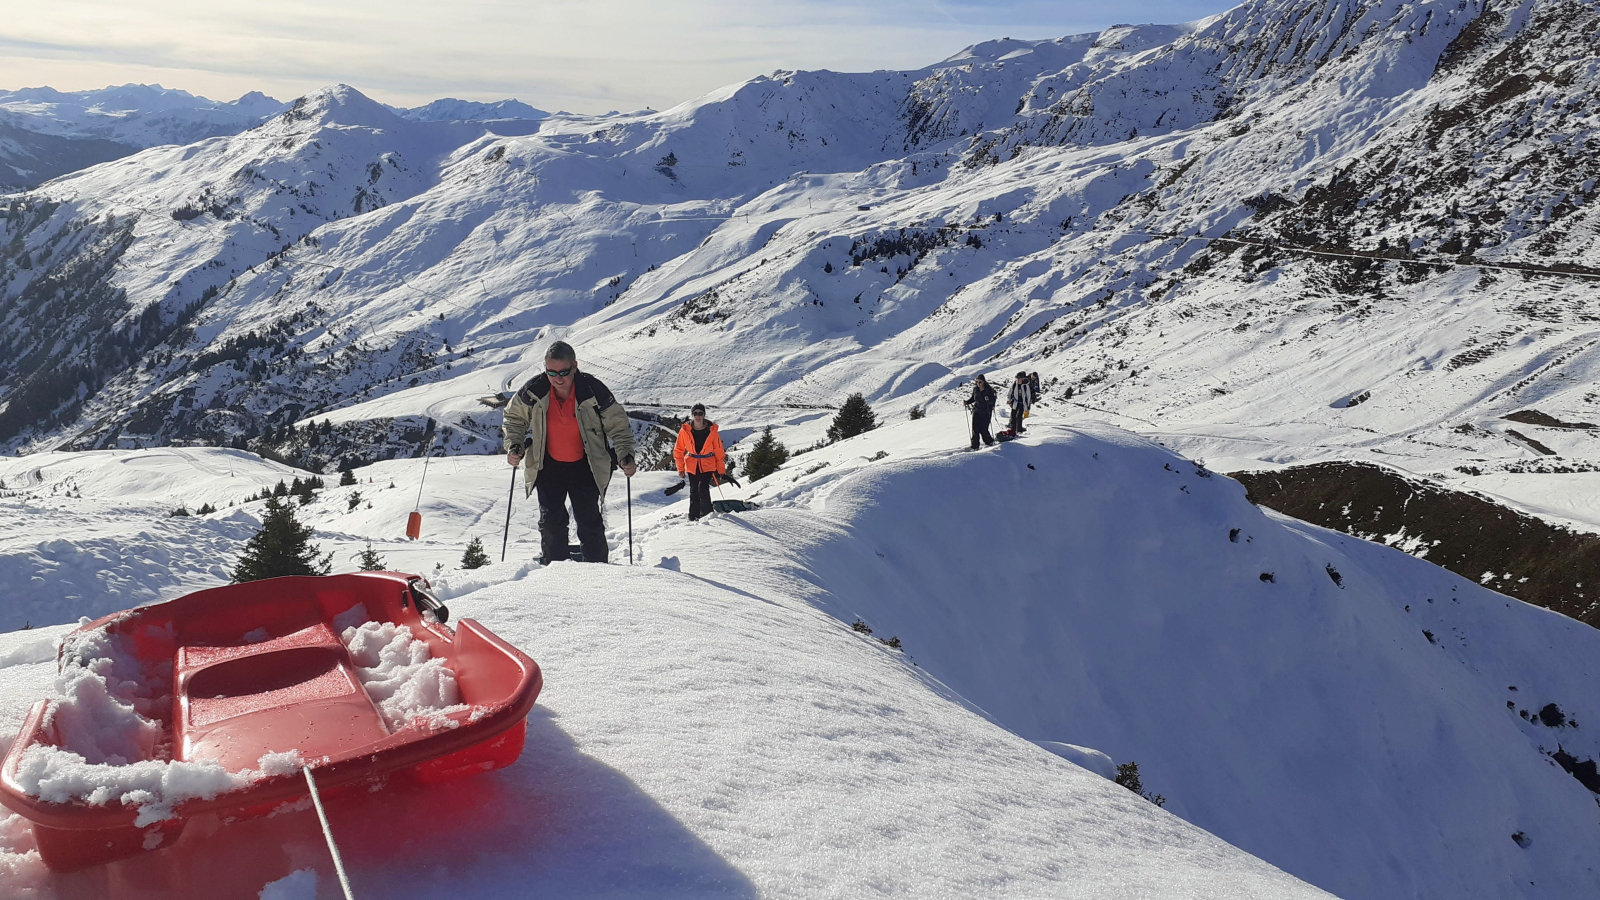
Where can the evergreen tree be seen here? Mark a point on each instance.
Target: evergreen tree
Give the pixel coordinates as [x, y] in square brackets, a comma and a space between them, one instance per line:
[304, 489]
[281, 489]
[282, 547]
[765, 457]
[474, 558]
[918, 412]
[347, 477]
[370, 561]
[854, 418]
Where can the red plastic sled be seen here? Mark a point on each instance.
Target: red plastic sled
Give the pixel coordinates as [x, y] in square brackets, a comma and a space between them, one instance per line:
[235, 699]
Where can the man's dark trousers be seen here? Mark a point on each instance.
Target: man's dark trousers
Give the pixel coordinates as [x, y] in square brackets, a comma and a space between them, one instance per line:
[559, 481]
[699, 494]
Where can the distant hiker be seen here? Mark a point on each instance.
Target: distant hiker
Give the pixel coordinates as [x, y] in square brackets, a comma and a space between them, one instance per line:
[1021, 399]
[568, 416]
[1035, 385]
[982, 405]
[700, 459]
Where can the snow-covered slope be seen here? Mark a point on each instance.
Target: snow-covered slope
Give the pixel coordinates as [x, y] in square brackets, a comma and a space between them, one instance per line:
[694, 739]
[713, 706]
[28, 159]
[1348, 713]
[797, 237]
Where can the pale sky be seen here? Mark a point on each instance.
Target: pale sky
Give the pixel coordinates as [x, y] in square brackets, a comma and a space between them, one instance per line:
[580, 55]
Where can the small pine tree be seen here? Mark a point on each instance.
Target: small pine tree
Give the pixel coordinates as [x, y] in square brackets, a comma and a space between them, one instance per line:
[205, 510]
[370, 561]
[854, 418]
[182, 510]
[281, 547]
[474, 558]
[281, 489]
[765, 457]
[1128, 777]
[918, 412]
[347, 477]
[355, 501]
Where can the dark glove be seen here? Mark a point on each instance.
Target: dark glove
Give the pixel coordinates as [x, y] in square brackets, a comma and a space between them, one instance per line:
[674, 489]
[728, 477]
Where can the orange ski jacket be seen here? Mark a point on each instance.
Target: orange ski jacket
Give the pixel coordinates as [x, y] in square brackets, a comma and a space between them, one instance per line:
[710, 457]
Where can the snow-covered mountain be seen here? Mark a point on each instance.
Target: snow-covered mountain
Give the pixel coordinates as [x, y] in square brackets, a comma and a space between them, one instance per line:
[452, 110]
[135, 115]
[714, 724]
[28, 159]
[800, 236]
[46, 133]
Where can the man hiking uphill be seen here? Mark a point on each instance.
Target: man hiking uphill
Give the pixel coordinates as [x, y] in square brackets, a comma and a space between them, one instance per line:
[982, 405]
[560, 421]
[700, 459]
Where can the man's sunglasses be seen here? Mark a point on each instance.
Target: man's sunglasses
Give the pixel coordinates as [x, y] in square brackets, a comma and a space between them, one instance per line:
[560, 373]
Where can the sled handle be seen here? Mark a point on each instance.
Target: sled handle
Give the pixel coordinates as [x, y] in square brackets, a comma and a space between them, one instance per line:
[426, 598]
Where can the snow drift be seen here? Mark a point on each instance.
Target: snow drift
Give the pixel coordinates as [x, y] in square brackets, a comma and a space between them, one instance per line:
[1338, 708]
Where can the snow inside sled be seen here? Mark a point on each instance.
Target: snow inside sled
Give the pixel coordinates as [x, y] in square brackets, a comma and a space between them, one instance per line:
[262, 681]
[732, 506]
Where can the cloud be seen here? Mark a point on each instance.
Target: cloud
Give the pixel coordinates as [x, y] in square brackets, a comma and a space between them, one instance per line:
[584, 55]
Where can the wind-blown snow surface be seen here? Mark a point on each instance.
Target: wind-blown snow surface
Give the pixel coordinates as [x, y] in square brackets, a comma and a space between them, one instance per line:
[711, 725]
[696, 740]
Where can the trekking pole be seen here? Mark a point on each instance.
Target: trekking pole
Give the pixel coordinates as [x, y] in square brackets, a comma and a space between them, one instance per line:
[630, 518]
[526, 443]
[509, 497]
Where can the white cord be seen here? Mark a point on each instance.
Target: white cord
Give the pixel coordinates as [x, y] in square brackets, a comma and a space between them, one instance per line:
[338, 863]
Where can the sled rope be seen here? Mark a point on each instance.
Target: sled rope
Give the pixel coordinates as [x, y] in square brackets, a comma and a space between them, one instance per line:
[338, 861]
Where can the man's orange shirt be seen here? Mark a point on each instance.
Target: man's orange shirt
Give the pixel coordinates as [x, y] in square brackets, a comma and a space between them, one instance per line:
[563, 442]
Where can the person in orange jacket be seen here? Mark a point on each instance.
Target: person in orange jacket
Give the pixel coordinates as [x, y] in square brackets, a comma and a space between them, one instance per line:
[700, 459]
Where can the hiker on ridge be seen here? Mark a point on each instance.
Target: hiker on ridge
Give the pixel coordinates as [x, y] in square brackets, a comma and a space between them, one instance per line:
[566, 417]
[700, 459]
[1035, 385]
[982, 405]
[1021, 399]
